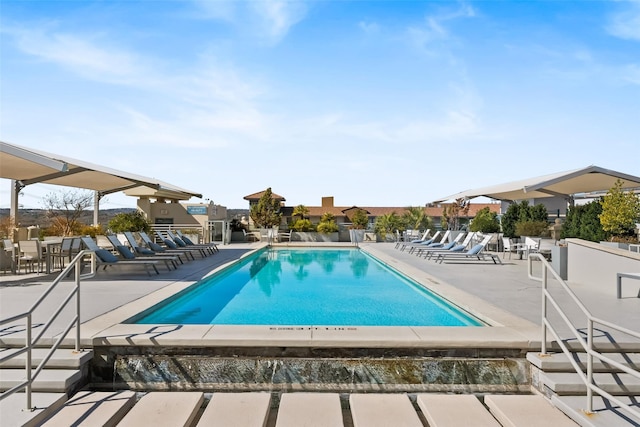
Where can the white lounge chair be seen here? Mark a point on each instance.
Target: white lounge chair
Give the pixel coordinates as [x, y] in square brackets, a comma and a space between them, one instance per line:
[434, 244]
[405, 241]
[476, 253]
[421, 243]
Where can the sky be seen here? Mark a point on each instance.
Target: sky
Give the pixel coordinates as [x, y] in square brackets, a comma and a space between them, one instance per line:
[376, 103]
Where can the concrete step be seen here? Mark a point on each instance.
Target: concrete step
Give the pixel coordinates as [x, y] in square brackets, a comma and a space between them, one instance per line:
[61, 359]
[605, 413]
[455, 410]
[570, 383]
[526, 410]
[559, 362]
[49, 380]
[309, 409]
[13, 413]
[237, 409]
[89, 409]
[378, 410]
[170, 409]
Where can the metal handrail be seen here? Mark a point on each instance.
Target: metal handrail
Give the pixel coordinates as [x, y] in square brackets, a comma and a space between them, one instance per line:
[588, 345]
[30, 343]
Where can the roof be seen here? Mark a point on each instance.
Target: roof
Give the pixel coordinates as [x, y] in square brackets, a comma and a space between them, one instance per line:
[258, 195]
[435, 211]
[563, 184]
[30, 166]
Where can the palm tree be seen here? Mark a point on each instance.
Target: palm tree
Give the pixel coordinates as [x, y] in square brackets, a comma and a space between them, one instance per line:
[416, 219]
[301, 210]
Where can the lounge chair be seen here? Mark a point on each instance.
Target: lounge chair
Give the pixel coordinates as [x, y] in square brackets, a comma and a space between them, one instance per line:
[125, 253]
[421, 243]
[161, 249]
[476, 253]
[434, 244]
[171, 244]
[440, 246]
[402, 243]
[143, 251]
[457, 247]
[106, 258]
[179, 243]
[188, 241]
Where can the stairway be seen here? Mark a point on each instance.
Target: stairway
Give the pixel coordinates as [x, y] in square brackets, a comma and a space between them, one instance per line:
[554, 376]
[65, 372]
[195, 409]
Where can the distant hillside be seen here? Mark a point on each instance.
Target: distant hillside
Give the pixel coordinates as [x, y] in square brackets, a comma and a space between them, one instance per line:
[28, 217]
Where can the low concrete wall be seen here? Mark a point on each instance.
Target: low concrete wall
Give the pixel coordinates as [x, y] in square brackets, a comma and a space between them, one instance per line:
[594, 264]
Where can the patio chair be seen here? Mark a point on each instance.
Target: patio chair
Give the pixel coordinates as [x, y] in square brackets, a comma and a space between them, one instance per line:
[30, 252]
[531, 246]
[63, 253]
[249, 237]
[125, 253]
[508, 246]
[106, 258]
[476, 253]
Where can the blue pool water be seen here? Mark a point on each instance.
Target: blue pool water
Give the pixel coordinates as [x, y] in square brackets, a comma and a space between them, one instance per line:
[308, 287]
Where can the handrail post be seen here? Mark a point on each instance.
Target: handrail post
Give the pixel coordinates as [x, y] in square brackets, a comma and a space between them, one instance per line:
[543, 343]
[27, 363]
[77, 277]
[590, 365]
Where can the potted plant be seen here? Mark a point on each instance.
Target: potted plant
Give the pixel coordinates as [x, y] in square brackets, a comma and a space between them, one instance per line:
[359, 222]
[328, 228]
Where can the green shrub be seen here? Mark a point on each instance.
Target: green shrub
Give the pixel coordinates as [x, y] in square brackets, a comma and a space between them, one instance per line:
[129, 221]
[532, 228]
[302, 225]
[523, 213]
[359, 219]
[583, 222]
[485, 221]
[387, 223]
[620, 212]
[327, 224]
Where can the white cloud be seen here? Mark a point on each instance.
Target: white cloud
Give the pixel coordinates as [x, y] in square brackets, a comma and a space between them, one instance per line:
[625, 24]
[434, 28]
[278, 16]
[87, 55]
[369, 27]
[631, 74]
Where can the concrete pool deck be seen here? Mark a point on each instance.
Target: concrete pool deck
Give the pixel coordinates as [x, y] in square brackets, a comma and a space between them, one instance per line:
[501, 295]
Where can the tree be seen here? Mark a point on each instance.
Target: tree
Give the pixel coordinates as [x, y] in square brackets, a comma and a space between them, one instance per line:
[359, 219]
[327, 223]
[520, 217]
[620, 211]
[266, 213]
[301, 211]
[583, 222]
[129, 221]
[451, 214]
[64, 210]
[387, 223]
[485, 221]
[416, 219]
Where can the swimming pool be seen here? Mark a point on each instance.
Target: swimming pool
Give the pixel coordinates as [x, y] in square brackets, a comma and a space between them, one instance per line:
[311, 286]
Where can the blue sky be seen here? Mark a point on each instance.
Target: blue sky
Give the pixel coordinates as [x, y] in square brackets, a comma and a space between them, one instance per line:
[388, 103]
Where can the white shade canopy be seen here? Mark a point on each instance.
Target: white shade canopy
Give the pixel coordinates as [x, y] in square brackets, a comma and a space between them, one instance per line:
[28, 166]
[561, 184]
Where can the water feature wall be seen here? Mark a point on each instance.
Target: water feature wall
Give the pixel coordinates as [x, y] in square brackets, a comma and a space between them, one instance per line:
[307, 369]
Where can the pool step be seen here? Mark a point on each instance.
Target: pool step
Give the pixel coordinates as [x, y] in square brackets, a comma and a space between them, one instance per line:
[526, 410]
[171, 409]
[569, 383]
[559, 362]
[49, 380]
[13, 409]
[93, 409]
[63, 358]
